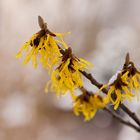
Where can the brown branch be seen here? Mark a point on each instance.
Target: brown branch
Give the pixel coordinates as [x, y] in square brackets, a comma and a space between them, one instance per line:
[117, 117]
[130, 113]
[93, 81]
[122, 106]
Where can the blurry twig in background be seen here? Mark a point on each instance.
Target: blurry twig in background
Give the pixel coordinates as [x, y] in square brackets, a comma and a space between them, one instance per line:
[117, 117]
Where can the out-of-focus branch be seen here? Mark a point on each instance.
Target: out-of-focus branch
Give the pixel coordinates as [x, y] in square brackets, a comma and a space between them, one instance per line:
[130, 113]
[117, 117]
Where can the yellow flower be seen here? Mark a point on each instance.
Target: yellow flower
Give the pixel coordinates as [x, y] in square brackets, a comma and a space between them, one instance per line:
[67, 77]
[123, 84]
[45, 45]
[118, 89]
[88, 104]
[133, 78]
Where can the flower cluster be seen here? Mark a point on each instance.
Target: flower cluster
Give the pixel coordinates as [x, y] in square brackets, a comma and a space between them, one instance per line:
[66, 71]
[57, 56]
[124, 85]
[133, 78]
[43, 44]
[67, 76]
[118, 90]
[88, 104]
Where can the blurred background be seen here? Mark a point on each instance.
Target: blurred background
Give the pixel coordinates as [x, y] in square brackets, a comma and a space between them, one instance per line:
[102, 32]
